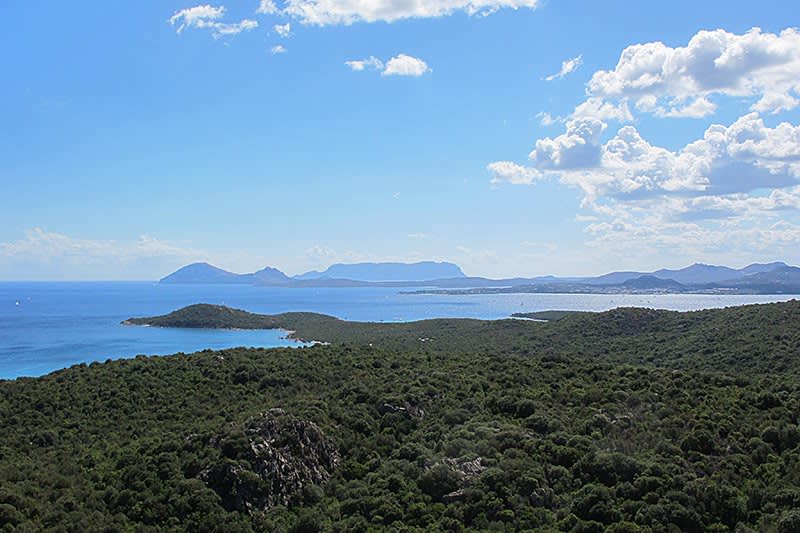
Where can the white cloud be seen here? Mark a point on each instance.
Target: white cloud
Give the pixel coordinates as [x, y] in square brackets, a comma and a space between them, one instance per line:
[731, 193]
[568, 66]
[679, 81]
[283, 30]
[698, 108]
[405, 65]
[737, 181]
[330, 12]
[208, 17]
[745, 156]
[600, 109]
[687, 239]
[400, 65]
[222, 29]
[361, 64]
[277, 49]
[546, 119]
[775, 102]
[509, 172]
[579, 147]
[266, 7]
[196, 17]
[320, 254]
[417, 235]
[49, 255]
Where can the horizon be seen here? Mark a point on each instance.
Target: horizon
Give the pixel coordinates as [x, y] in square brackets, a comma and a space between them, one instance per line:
[538, 138]
[469, 275]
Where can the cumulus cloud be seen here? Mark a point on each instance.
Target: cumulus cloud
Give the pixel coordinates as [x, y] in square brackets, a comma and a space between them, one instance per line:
[745, 176]
[736, 189]
[603, 110]
[568, 66]
[742, 157]
[277, 49]
[208, 17]
[546, 119]
[578, 147]
[509, 172]
[400, 65]
[405, 65]
[266, 7]
[680, 81]
[331, 12]
[283, 30]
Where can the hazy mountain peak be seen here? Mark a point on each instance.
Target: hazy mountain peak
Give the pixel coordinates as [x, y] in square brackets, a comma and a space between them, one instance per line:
[420, 271]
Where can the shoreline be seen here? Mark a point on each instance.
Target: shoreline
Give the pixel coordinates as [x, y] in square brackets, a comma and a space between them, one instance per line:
[288, 334]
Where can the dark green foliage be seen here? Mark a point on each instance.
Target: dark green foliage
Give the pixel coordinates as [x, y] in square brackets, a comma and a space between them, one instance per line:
[736, 340]
[607, 422]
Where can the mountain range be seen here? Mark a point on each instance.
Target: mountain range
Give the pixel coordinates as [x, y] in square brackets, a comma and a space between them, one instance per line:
[336, 275]
[776, 277]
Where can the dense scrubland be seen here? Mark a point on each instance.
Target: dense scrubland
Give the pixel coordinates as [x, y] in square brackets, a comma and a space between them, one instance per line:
[629, 420]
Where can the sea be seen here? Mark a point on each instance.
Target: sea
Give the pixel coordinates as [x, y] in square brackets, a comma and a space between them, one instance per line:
[46, 326]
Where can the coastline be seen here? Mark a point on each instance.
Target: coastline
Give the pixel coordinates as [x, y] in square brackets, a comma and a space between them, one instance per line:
[288, 334]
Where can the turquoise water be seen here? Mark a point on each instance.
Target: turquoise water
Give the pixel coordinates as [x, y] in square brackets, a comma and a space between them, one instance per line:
[47, 326]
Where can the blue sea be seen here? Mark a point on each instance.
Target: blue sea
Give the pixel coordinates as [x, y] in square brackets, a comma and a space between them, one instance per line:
[46, 326]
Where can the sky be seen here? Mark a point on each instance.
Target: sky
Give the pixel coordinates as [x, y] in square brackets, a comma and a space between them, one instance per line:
[512, 137]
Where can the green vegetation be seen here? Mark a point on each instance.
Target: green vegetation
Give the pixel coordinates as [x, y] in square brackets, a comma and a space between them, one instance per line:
[546, 315]
[630, 420]
[222, 317]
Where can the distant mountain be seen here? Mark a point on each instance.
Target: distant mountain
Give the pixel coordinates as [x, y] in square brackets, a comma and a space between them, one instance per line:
[377, 272]
[696, 274]
[269, 276]
[699, 273]
[204, 273]
[757, 268]
[612, 278]
[758, 278]
[652, 282]
[785, 279]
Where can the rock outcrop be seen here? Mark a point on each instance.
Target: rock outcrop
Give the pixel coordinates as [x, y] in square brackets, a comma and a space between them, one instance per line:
[277, 459]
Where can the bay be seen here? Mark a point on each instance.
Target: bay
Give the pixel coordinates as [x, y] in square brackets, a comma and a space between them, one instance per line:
[45, 326]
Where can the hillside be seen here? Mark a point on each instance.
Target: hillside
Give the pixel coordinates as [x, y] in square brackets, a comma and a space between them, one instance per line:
[753, 338]
[212, 317]
[437, 425]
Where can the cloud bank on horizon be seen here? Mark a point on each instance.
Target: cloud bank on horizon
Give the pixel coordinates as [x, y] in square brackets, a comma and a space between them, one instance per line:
[727, 190]
[42, 252]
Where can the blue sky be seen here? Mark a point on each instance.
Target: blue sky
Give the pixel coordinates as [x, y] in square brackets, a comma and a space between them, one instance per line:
[131, 144]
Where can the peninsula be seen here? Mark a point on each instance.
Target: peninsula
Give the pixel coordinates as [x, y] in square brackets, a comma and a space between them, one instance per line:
[627, 420]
